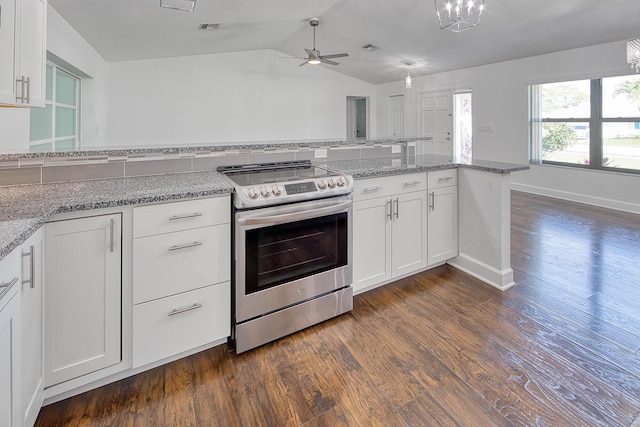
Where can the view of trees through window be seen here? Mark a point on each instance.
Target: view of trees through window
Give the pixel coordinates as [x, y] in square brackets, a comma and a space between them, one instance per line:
[588, 123]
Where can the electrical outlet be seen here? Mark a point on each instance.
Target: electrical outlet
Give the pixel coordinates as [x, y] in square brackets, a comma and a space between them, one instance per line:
[320, 153]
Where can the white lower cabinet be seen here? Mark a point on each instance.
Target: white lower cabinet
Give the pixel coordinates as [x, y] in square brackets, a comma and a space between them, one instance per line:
[31, 328]
[390, 232]
[442, 216]
[171, 325]
[181, 277]
[10, 410]
[82, 296]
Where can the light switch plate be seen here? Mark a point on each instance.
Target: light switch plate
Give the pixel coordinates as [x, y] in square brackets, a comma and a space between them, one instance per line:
[320, 153]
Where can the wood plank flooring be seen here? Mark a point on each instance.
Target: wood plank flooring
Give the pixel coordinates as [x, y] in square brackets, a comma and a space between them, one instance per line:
[436, 349]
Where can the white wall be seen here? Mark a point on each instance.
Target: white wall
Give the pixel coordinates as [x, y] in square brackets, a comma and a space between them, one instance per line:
[228, 97]
[500, 101]
[67, 45]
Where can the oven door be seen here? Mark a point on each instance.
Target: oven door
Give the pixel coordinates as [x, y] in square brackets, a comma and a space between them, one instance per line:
[291, 253]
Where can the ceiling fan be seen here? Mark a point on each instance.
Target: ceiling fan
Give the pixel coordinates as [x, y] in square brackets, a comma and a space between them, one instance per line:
[314, 57]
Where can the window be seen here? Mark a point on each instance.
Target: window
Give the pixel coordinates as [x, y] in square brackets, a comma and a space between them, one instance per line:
[55, 127]
[591, 124]
[462, 122]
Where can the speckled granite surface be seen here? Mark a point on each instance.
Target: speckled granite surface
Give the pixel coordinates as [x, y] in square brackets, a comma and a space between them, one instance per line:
[367, 168]
[197, 148]
[23, 209]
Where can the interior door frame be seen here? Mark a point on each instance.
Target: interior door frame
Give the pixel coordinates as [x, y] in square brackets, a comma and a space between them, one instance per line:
[352, 121]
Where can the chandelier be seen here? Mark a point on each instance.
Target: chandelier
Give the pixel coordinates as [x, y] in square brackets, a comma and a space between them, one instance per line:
[459, 15]
[633, 54]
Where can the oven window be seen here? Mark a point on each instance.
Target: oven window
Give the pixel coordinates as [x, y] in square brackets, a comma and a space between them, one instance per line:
[281, 253]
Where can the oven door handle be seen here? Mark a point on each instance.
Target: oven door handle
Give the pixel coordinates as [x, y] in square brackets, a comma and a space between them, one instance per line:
[295, 216]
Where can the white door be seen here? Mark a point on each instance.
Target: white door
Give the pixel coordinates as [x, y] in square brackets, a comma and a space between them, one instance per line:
[8, 15]
[443, 224]
[33, 52]
[82, 296]
[371, 243]
[436, 121]
[396, 116]
[10, 363]
[409, 232]
[31, 328]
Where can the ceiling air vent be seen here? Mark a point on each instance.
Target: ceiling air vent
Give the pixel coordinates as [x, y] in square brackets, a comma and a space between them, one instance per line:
[209, 26]
[370, 47]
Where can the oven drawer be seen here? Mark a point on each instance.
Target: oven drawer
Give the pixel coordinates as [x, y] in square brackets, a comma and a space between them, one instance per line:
[443, 178]
[171, 263]
[371, 188]
[178, 216]
[172, 325]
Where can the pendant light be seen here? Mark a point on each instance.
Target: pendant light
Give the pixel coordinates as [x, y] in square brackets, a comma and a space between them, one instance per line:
[408, 80]
[633, 54]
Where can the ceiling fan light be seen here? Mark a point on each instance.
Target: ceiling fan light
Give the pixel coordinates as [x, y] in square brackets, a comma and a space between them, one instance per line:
[314, 61]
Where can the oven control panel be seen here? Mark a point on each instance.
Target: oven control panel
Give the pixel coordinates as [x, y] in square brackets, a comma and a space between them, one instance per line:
[293, 191]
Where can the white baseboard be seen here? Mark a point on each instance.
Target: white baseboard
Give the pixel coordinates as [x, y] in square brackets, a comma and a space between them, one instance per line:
[501, 279]
[577, 197]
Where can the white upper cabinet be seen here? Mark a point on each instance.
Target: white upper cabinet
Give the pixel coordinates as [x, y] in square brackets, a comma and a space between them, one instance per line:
[23, 32]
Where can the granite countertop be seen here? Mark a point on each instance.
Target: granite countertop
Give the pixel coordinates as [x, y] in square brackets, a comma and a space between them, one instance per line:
[24, 209]
[368, 168]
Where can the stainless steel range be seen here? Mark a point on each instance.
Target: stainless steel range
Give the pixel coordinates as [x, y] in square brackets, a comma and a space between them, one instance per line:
[292, 248]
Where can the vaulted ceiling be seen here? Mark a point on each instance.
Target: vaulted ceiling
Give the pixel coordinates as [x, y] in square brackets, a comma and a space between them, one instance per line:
[404, 30]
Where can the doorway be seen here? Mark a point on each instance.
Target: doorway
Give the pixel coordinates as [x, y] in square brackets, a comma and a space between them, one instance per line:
[357, 117]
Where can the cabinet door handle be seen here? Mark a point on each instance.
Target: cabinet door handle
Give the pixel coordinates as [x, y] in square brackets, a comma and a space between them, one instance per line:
[432, 202]
[370, 189]
[28, 84]
[185, 246]
[445, 179]
[388, 209]
[112, 240]
[185, 309]
[397, 210]
[32, 268]
[6, 287]
[410, 183]
[185, 216]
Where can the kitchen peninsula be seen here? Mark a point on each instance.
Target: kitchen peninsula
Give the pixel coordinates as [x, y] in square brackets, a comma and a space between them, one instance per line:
[124, 204]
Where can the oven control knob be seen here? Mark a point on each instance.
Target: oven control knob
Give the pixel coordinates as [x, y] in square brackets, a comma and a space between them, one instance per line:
[253, 194]
[265, 191]
[341, 182]
[331, 183]
[276, 190]
[322, 184]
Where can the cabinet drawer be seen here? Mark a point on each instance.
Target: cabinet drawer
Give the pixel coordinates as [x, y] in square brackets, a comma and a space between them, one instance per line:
[370, 188]
[178, 216]
[443, 178]
[171, 263]
[169, 326]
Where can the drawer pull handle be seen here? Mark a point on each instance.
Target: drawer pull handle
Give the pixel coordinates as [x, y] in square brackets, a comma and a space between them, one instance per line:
[6, 287]
[410, 183]
[448, 178]
[175, 311]
[32, 268]
[185, 246]
[185, 216]
[370, 189]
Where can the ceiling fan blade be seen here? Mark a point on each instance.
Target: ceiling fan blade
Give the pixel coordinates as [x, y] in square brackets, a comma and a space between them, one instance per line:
[304, 63]
[326, 61]
[335, 55]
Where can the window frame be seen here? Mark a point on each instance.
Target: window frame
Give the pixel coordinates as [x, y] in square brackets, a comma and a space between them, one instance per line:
[54, 103]
[596, 122]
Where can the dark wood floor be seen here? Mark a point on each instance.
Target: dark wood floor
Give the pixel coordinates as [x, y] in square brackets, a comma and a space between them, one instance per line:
[436, 349]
